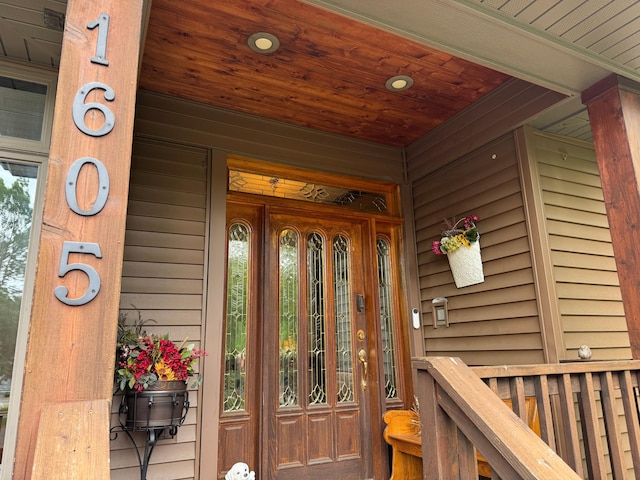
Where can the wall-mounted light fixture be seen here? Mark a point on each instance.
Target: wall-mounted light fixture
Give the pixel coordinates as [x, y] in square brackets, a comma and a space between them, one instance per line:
[440, 312]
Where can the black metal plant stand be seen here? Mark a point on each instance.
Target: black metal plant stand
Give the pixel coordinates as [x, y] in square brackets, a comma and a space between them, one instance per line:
[157, 413]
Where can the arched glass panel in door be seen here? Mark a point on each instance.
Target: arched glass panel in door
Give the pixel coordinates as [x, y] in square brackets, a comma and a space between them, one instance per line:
[235, 349]
[317, 375]
[386, 318]
[342, 307]
[288, 316]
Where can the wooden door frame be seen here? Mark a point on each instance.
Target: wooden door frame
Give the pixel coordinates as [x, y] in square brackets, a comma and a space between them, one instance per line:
[393, 225]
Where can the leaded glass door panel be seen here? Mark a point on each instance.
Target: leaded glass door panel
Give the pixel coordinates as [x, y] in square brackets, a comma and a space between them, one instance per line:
[310, 297]
[316, 394]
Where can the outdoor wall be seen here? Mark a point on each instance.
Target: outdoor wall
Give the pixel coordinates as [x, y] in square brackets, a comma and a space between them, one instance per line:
[495, 322]
[171, 134]
[526, 311]
[163, 280]
[584, 268]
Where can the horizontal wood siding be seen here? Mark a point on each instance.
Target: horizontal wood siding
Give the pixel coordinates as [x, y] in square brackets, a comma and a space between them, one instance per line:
[489, 118]
[264, 139]
[224, 132]
[495, 322]
[163, 278]
[584, 267]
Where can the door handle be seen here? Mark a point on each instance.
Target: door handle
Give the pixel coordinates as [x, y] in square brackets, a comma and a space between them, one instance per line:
[362, 356]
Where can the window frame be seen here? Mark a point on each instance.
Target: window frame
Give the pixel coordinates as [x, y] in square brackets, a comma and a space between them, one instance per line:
[35, 153]
[43, 77]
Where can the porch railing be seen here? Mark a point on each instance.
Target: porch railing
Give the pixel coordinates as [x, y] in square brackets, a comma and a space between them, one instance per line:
[588, 405]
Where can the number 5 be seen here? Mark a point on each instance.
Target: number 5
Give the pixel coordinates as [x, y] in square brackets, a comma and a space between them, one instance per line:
[65, 267]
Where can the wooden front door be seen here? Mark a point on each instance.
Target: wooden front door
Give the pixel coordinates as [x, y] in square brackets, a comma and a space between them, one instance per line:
[313, 342]
[316, 360]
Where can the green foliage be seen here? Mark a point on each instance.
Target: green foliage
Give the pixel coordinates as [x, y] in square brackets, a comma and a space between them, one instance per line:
[15, 224]
[9, 314]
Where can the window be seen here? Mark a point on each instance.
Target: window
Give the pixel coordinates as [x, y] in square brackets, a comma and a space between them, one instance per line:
[17, 195]
[26, 108]
[22, 106]
[26, 115]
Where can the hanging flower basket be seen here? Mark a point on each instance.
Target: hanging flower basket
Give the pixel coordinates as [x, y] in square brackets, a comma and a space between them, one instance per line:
[466, 265]
[152, 371]
[163, 404]
[461, 244]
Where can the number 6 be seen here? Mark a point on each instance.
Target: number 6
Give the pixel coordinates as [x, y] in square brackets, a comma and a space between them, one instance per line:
[65, 267]
[80, 109]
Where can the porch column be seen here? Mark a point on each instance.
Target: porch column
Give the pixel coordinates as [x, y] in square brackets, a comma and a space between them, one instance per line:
[614, 113]
[71, 348]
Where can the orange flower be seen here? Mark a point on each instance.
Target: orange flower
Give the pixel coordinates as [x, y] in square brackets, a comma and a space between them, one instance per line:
[164, 372]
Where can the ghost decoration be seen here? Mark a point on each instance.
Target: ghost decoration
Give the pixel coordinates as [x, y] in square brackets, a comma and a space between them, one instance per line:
[240, 471]
[584, 352]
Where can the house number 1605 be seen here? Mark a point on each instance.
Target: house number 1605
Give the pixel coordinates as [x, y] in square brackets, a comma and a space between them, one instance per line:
[79, 111]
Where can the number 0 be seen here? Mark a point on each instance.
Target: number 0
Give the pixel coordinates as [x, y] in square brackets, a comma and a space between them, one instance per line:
[72, 181]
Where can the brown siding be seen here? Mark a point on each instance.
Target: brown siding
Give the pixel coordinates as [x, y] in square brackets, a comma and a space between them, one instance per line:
[222, 132]
[584, 268]
[163, 277]
[497, 321]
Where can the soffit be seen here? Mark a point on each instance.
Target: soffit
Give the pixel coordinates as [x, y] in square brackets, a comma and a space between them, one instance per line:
[563, 45]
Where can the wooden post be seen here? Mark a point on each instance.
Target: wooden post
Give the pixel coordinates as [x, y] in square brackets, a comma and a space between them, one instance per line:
[71, 349]
[72, 439]
[614, 114]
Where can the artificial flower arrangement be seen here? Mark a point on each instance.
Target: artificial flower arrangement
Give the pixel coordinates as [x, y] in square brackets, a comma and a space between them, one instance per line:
[462, 233]
[143, 359]
[460, 242]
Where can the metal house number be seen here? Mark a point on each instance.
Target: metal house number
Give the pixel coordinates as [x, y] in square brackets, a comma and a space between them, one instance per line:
[79, 111]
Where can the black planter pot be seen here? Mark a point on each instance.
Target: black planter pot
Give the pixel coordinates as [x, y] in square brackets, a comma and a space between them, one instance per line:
[164, 404]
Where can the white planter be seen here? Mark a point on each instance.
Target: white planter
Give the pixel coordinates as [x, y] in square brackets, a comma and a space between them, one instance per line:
[466, 265]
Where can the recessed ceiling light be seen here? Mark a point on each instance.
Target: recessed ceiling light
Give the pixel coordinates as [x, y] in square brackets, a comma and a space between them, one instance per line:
[398, 83]
[263, 42]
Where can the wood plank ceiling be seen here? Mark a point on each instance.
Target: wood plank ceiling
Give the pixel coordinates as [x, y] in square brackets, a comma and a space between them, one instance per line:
[330, 72]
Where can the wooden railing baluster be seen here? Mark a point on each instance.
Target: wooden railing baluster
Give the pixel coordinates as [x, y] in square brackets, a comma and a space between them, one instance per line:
[609, 411]
[629, 402]
[545, 415]
[590, 427]
[569, 423]
[518, 398]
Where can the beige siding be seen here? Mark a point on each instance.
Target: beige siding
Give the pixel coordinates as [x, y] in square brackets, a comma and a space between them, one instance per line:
[497, 321]
[584, 267]
[159, 255]
[163, 277]
[264, 139]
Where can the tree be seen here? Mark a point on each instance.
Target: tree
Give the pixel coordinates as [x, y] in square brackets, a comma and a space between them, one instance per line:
[15, 224]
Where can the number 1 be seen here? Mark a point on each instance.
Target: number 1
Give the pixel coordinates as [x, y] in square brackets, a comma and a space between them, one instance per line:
[103, 30]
